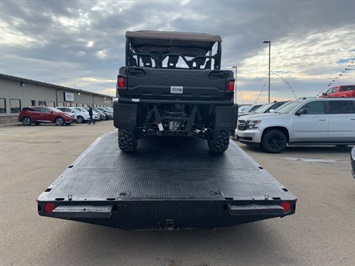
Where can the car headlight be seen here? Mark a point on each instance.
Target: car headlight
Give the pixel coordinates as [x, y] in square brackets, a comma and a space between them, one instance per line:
[252, 124]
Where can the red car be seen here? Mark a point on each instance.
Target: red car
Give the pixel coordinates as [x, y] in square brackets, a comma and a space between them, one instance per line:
[339, 91]
[40, 114]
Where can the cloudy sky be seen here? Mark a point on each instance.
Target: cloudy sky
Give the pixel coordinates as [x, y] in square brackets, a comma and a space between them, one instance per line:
[80, 44]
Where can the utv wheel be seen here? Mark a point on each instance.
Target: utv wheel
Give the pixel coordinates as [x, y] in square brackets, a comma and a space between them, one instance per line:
[26, 121]
[219, 142]
[59, 121]
[80, 119]
[127, 140]
[274, 141]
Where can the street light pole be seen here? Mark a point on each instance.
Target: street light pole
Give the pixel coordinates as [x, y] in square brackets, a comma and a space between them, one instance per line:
[269, 42]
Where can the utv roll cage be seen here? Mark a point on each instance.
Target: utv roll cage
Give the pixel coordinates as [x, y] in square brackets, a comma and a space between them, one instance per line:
[161, 49]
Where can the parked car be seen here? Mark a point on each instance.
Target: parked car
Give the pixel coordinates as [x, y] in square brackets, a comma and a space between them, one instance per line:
[67, 110]
[40, 114]
[101, 113]
[264, 108]
[248, 109]
[309, 121]
[80, 115]
[352, 159]
[96, 116]
[241, 107]
[339, 91]
[108, 113]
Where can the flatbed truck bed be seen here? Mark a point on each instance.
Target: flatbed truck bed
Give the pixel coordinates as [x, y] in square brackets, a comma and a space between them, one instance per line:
[169, 183]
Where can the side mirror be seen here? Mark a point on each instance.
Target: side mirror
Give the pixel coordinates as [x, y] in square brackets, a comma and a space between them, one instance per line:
[301, 112]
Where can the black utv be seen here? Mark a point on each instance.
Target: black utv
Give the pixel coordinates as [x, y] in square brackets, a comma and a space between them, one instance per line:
[172, 85]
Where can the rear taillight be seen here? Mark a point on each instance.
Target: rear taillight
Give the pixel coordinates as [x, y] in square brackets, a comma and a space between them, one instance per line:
[121, 82]
[49, 207]
[286, 206]
[230, 86]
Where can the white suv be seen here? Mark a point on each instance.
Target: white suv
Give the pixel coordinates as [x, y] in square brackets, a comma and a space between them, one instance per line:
[80, 115]
[85, 112]
[306, 121]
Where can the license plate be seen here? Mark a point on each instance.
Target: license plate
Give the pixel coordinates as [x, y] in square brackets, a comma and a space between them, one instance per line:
[177, 89]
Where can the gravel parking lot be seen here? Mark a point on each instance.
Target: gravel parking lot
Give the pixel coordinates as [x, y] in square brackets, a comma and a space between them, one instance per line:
[322, 232]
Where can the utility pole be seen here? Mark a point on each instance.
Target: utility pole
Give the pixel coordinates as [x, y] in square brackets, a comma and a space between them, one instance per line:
[269, 42]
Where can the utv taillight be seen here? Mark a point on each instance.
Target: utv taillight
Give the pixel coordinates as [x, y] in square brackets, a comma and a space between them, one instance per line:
[121, 82]
[230, 86]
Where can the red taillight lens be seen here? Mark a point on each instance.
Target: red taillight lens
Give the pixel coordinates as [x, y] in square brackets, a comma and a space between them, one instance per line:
[121, 82]
[231, 85]
[286, 206]
[49, 207]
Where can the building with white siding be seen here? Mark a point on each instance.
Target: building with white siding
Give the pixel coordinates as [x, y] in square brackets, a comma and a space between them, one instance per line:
[16, 93]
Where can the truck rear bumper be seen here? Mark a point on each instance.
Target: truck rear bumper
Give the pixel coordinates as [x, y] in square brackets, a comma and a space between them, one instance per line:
[170, 214]
[179, 101]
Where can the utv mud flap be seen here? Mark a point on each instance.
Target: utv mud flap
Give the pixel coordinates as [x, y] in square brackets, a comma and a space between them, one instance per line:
[125, 115]
[223, 116]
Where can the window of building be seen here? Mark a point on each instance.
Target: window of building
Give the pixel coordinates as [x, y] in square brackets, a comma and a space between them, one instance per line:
[33, 102]
[42, 103]
[15, 105]
[60, 104]
[51, 104]
[2, 106]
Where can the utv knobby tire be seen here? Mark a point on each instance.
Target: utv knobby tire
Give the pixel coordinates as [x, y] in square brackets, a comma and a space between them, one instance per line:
[219, 142]
[127, 140]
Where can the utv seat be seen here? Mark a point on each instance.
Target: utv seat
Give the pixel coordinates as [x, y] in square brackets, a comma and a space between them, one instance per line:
[132, 60]
[146, 57]
[173, 57]
[199, 59]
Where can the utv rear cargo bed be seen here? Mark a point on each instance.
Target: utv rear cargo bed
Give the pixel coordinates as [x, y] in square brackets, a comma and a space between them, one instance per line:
[169, 183]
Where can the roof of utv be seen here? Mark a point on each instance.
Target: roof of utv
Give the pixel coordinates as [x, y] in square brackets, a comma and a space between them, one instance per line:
[172, 38]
